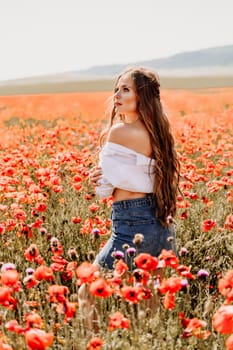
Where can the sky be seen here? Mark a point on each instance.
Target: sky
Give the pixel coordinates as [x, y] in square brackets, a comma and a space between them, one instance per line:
[39, 37]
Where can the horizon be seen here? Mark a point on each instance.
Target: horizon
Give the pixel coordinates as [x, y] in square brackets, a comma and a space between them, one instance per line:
[45, 38]
[112, 64]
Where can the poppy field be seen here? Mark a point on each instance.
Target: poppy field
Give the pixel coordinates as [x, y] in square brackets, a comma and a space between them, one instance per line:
[52, 225]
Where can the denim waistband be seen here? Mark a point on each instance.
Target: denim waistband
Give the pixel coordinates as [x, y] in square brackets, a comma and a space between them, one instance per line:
[148, 201]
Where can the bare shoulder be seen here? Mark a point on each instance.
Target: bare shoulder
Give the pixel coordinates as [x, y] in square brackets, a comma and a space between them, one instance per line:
[133, 136]
[117, 133]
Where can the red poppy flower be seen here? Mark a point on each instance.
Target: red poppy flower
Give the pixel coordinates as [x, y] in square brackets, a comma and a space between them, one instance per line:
[100, 288]
[37, 223]
[95, 343]
[131, 294]
[3, 207]
[88, 196]
[34, 189]
[77, 187]
[169, 301]
[184, 320]
[146, 293]
[10, 224]
[183, 204]
[58, 293]
[86, 272]
[146, 262]
[33, 319]
[44, 273]
[41, 207]
[87, 226]
[30, 281]
[5, 297]
[120, 268]
[229, 200]
[223, 319]
[93, 207]
[25, 230]
[69, 272]
[229, 222]
[77, 178]
[207, 225]
[225, 286]
[193, 195]
[10, 278]
[76, 219]
[59, 263]
[114, 282]
[68, 308]
[169, 258]
[56, 246]
[2, 228]
[32, 254]
[184, 215]
[13, 326]
[171, 285]
[57, 189]
[195, 328]
[55, 180]
[20, 214]
[184, 271]
[117, 320]
[37, 339]
[141, 276]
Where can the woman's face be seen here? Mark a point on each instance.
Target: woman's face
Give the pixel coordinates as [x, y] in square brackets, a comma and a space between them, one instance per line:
[125, 97]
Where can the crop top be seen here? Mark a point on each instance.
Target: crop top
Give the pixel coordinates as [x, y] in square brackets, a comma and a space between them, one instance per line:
[124, 168]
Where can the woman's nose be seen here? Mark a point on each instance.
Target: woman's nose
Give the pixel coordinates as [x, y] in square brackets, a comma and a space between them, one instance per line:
[117, 94]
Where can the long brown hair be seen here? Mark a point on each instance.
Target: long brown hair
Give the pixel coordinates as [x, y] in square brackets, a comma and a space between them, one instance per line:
[151, 113]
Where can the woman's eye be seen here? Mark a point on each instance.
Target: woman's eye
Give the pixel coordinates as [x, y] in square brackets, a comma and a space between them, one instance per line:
[125, 89]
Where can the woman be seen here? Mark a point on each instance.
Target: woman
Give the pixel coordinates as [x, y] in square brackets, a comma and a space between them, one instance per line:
[139, 167]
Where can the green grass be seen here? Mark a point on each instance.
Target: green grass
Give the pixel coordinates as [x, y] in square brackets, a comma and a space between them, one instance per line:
[107, 85]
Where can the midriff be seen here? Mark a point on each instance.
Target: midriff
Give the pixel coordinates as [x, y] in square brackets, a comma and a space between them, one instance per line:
[121, 195]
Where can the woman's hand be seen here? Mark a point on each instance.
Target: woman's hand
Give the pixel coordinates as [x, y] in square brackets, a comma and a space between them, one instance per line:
[95, 175]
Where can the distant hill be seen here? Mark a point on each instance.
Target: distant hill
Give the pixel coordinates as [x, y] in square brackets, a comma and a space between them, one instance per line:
[215, 59]
[211, 67]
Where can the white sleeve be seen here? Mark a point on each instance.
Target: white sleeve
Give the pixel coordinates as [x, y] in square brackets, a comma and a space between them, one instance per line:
[105, 188]
[126, 169]
[134, 178]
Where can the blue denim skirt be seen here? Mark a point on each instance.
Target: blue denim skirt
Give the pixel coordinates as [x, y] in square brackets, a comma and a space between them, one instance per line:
[130, 217]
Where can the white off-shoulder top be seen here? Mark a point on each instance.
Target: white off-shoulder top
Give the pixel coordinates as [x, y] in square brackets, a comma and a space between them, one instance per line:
[124, 168]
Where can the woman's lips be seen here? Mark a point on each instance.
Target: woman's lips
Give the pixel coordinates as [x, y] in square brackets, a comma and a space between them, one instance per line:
[117, 104]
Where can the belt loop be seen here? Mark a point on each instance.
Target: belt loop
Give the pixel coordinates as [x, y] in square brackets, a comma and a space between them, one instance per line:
[149, 198]
[152, 199]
